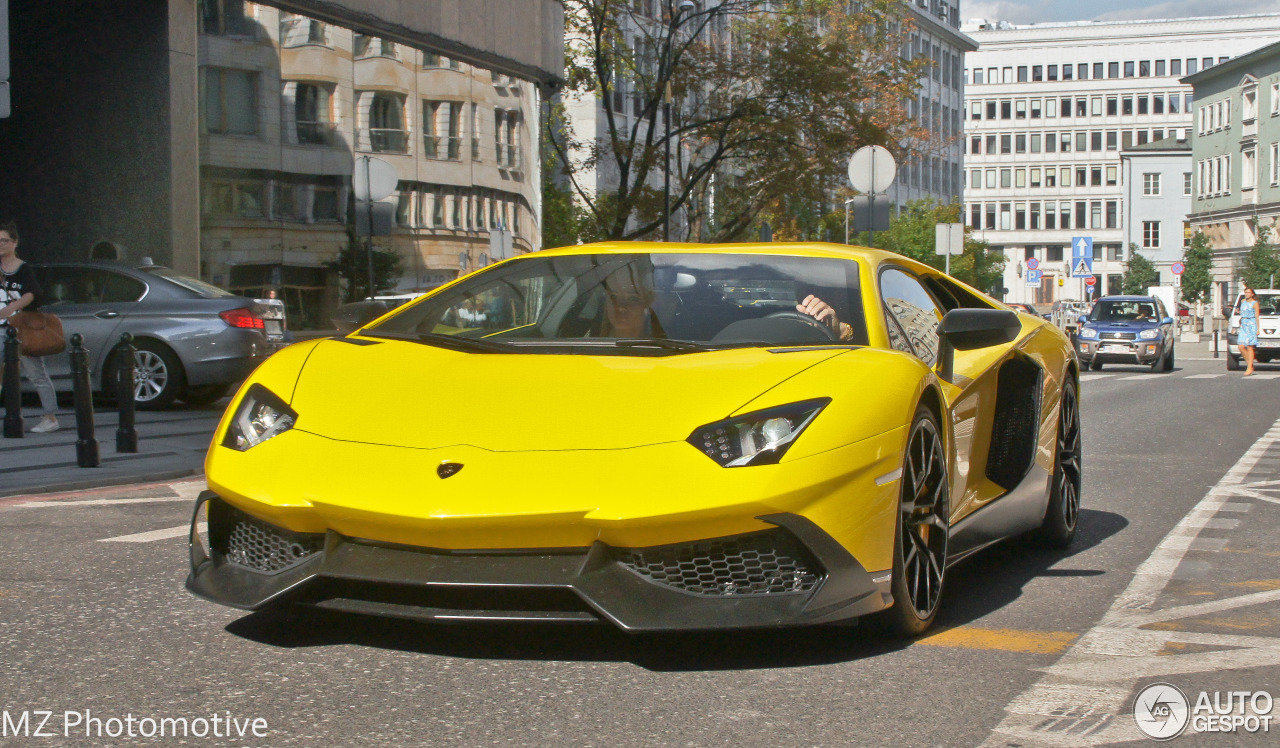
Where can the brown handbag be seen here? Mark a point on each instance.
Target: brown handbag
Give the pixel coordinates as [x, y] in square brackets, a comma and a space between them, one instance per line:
[39, 333]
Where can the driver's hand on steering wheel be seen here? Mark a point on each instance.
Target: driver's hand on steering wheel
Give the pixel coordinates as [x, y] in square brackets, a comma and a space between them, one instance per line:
[824, 313]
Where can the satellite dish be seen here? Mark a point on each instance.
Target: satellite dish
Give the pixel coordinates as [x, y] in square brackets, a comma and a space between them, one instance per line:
[373, 179]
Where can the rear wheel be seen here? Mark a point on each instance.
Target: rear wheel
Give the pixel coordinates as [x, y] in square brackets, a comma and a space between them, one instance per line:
[1063, 513]
[157, 375]
[920, 544]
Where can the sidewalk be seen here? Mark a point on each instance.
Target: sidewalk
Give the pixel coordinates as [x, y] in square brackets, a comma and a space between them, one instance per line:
[171, 444]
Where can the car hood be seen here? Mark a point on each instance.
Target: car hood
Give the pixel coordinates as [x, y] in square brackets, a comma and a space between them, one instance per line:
[420, 396]
[1130, 326]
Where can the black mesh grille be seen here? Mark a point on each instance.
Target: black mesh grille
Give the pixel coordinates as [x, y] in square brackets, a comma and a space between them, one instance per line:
[764, 563]
[256, 545]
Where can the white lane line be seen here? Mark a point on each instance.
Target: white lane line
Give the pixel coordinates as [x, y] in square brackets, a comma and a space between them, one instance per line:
[1083, 698]
[1136, 376]
[1203, 376]
[147, 537]
[101, 502]
[1087, 377]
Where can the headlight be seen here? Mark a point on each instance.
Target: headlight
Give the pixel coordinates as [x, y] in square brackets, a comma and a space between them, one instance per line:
[1151, 334]
[1088, 333]
[759, 438]
[260, 416]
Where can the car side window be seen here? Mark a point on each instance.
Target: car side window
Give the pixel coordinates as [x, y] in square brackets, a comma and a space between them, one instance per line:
[908, 304]
[88, 285]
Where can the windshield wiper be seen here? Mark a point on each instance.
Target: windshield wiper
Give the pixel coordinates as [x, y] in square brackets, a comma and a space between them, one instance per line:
[452, 342]
[671, 345]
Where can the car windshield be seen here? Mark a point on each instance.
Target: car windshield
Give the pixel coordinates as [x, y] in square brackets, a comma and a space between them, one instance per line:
[198, 287]
[636, 303]
[1117, 310]
[1268, 303]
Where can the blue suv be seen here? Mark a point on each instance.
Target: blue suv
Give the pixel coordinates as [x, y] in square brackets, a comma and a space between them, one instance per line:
[1126, 330]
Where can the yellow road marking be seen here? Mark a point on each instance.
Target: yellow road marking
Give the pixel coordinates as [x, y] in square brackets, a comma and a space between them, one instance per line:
[1008, 640]
[1258, 584]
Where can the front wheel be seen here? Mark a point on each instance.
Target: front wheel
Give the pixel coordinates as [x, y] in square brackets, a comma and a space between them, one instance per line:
[1233, 363]
[1168, 360]
[1063, 513]
[920, 543]
[1095, 365]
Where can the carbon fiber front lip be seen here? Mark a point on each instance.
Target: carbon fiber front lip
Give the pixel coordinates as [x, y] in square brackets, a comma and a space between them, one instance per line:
[603, 589]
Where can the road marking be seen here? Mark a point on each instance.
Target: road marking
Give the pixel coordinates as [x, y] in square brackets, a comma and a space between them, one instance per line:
[1136, 376]
[1083, 698]
[1203, 376]
[1086, 377]
[1264, 376]
[1008, 640]
[101, 502]
[147, 537]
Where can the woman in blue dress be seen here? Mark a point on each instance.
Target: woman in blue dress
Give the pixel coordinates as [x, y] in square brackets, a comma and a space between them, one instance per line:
[1247, 338]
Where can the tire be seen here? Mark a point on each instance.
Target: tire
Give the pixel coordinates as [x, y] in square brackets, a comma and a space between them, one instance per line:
[1063, 513]
[205, 394]
[157, 373]
[1168, 360]
[921, 534]
[1095, 365]
[1233, 363]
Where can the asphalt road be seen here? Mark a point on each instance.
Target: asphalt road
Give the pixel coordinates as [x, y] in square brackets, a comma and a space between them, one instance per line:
[96, 620]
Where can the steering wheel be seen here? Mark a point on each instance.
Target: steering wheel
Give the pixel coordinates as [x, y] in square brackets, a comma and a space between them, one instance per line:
[810, 321]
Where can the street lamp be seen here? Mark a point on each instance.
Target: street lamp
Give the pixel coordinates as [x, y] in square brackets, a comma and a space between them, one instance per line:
[676, 12]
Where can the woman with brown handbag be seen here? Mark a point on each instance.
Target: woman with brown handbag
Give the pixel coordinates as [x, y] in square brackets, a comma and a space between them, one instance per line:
[18, 292]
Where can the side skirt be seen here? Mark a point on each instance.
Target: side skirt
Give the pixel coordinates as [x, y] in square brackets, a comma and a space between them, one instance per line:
[1018, 511]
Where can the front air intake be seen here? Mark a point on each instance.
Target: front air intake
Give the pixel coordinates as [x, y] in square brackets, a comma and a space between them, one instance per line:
[771, 562]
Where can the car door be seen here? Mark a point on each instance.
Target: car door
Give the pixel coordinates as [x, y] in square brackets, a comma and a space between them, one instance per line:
[91, 301]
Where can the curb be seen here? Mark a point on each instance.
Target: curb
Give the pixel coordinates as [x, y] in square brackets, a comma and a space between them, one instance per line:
[159, 476]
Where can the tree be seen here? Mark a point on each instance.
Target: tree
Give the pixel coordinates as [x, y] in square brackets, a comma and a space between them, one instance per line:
[770, 99]
[912, 233]
[1262, 264]
[1197, 278]
[352, 266]
[1139, 273]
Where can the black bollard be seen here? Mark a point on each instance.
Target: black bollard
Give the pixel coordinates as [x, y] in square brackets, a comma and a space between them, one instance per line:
[13, 426]
[86, 444]
[126, 434]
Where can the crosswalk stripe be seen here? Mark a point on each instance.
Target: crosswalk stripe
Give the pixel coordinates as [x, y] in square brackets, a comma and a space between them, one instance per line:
[101, 502]
[147, 537]
[1136, 376]
[1203, 376]
[1264, 376]
[1087, 377]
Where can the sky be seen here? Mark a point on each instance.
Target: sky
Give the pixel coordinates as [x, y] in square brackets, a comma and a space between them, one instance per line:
[1045, 11]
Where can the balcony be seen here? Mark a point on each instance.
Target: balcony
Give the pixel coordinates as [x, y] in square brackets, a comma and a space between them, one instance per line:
[442, 148]
[383, 140]
[317, 133]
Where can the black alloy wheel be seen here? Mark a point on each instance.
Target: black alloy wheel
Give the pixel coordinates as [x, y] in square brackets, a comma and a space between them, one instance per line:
[920, 547]
[1063, 513]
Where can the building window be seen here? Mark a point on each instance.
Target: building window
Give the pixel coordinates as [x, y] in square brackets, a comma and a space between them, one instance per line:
[1186, 183]
[1150, 234]
[299, 31]
[1275, 164]
[441, 138]
[386, 124]
[1151, 184]
[312, 114]
[1248, 169]
[230, 101]
[234, 199]
[373, 46]
[227, 18]
[1275, 99]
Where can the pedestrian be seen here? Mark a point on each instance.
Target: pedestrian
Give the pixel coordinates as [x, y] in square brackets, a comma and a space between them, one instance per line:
[1247, 338]
[19, 291]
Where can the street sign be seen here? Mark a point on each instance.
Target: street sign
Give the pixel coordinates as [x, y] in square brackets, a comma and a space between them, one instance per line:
[1177, 280]
[871, 169]
[1090, 281]
[949, 239]
[1088, 290]
[1082, 267]
[1032, 263]
[1034, 277]
[1081, 256]
[1178, 268]
[373, 178]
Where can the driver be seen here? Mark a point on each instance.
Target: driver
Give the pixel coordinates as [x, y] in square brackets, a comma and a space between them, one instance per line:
[628, 296]
[826, 314]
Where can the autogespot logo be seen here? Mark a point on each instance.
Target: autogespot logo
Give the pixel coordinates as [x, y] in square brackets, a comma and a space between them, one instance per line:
[1161, 711]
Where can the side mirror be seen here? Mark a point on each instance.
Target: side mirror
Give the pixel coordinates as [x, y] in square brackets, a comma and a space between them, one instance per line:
[1083, 319]
[1167, 321]
[966, 329]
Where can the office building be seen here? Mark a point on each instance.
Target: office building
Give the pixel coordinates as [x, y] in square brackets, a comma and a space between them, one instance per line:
[1049, 110]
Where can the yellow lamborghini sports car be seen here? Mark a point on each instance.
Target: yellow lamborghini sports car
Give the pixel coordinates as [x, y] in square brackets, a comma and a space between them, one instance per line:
[658, 436]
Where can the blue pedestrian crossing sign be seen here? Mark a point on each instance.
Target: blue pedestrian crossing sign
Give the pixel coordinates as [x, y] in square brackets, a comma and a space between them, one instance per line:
[1081, 257]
